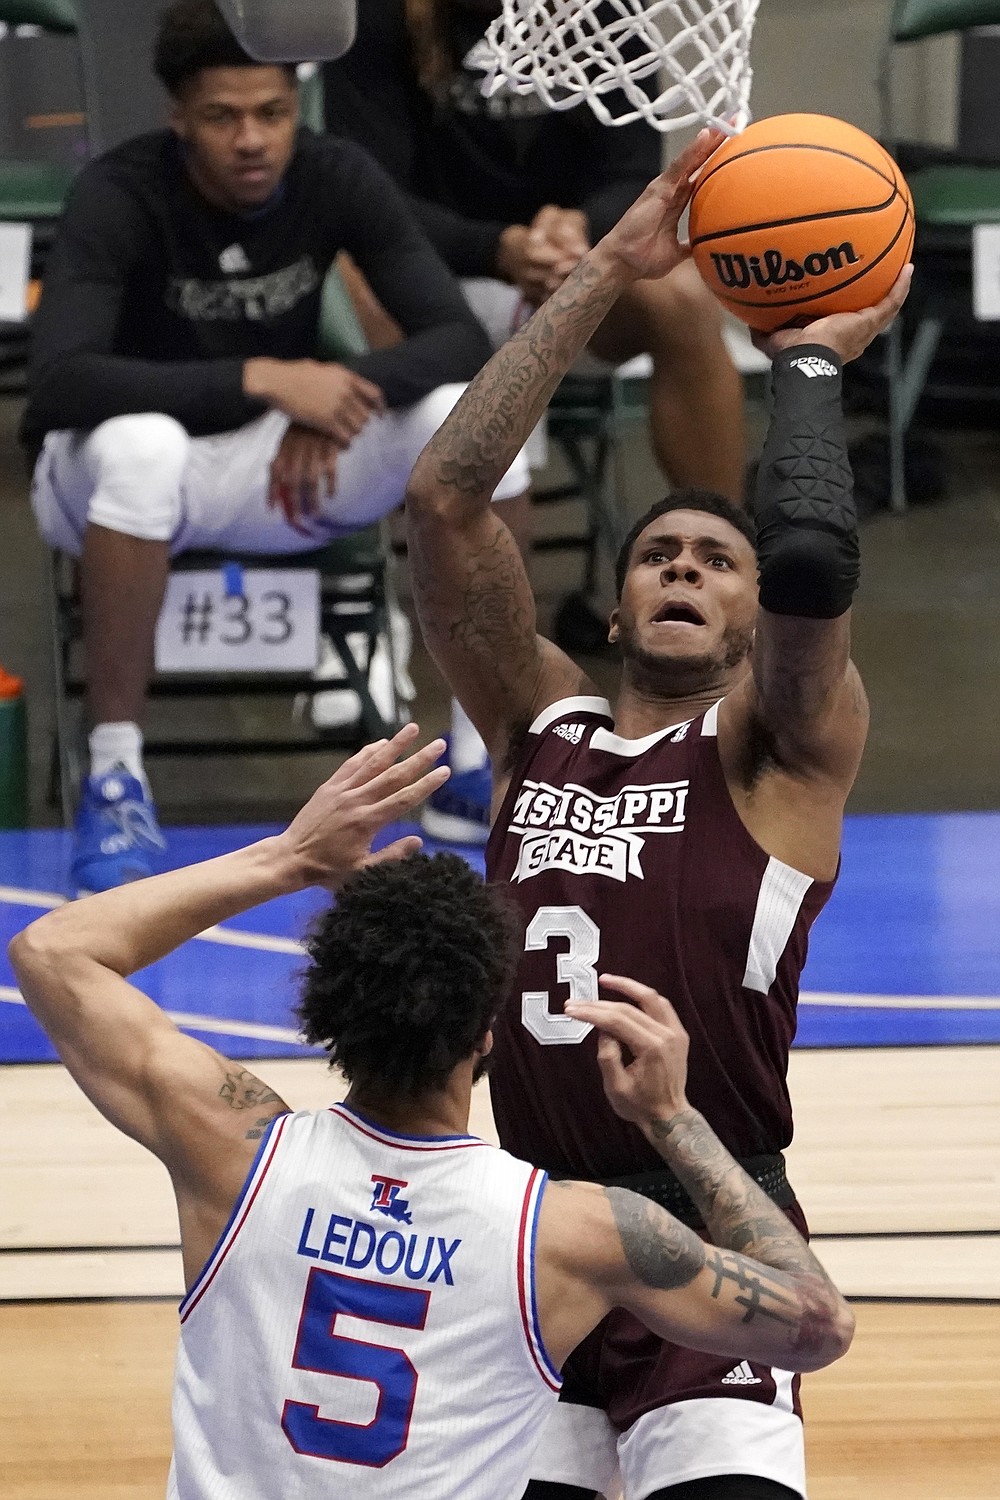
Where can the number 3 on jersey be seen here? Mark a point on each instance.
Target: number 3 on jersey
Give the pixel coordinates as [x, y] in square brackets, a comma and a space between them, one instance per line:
[577, 968]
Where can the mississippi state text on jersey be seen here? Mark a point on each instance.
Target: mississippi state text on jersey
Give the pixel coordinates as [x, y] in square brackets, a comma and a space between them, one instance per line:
[628, 857]
[366, 1325]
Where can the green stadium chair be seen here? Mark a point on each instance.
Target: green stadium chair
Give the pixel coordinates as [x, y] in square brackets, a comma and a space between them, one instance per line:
[35, 191]
[949, 201]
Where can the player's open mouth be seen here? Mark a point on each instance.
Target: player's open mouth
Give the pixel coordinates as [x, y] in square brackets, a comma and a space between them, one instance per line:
[678, 614]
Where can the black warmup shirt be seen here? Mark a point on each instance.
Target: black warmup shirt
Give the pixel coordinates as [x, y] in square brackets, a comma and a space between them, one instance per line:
[472, 166]
[153, 299]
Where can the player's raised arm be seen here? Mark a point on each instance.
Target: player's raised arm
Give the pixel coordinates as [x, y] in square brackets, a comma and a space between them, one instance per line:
[805, 694]
[756, 1293]
[178, 1097]
[473, 598]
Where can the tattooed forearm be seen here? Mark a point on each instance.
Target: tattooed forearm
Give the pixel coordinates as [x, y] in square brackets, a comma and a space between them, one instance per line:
[738, 1213]
[477, 443]
[241, 1090]
[662, 1252]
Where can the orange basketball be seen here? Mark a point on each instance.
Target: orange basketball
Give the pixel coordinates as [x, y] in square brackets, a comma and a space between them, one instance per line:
[797, 217]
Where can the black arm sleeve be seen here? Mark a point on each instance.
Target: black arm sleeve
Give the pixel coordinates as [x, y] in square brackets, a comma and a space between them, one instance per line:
[76, 379]
[807, 526]
[444, 342]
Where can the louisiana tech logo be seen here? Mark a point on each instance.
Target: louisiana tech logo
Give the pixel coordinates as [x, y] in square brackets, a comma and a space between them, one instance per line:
[386, 1199]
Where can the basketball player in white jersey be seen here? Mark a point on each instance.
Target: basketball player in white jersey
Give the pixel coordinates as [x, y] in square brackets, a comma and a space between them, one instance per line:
[379, 1304]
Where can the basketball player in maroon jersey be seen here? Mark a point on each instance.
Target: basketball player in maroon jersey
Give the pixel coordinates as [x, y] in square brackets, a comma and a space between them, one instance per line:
[688, 837]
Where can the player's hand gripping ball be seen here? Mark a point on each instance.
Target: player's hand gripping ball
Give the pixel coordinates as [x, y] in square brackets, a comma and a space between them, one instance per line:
[797, 217]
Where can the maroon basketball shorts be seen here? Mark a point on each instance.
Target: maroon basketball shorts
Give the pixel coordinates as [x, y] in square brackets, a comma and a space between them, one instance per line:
[643, 1414]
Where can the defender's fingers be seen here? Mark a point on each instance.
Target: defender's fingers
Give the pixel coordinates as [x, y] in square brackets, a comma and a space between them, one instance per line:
[385, 783]
[612, 1065]
[359, 768]
[399, 849]
[624, 1022]
[409, 797]
[643, 995]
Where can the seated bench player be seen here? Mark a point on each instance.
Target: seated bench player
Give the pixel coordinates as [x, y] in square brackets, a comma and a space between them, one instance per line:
[175, 400]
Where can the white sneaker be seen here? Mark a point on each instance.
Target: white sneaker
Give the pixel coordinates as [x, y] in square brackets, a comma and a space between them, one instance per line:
[339, 710]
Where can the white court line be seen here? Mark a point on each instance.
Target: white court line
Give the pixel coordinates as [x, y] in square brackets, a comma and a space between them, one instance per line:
[904, 1002]
[255, 1030]
[856, 1002]
[234, 938]
[228, 937]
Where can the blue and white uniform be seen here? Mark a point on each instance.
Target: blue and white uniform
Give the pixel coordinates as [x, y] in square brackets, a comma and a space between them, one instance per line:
[366, 1325]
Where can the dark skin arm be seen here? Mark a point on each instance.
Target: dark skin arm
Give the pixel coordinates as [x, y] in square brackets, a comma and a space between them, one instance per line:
[473, 597]
[200, 1113]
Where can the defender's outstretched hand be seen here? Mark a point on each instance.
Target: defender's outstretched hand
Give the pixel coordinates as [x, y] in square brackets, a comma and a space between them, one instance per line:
[650, 1086]
[847, 334]
[645, 238]
[333, 833]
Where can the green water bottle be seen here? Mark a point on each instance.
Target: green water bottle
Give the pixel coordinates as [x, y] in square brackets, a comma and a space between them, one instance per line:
[13, 753]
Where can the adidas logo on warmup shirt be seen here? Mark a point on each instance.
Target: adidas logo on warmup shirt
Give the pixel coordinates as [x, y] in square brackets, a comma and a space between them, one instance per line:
[741, 1374]
[812, 365]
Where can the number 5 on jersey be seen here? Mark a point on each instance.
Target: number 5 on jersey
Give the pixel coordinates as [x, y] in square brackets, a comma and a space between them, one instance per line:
[319, 1348]
[577, 968]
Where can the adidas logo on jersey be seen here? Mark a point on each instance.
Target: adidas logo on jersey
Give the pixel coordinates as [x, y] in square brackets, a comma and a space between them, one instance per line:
[571, 732]
[812, 365]
[741, 1374]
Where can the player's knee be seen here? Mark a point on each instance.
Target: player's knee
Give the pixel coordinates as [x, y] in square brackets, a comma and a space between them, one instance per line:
[137, 464]
[684, 315]
[430, 413]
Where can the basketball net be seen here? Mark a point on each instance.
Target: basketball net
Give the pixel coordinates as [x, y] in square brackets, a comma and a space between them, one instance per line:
[696, 51]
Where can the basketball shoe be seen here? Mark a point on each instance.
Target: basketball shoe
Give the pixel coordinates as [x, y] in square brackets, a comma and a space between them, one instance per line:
[115, 836]
[459, 811]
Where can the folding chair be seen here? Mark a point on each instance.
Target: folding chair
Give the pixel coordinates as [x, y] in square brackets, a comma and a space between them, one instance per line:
[949, 201]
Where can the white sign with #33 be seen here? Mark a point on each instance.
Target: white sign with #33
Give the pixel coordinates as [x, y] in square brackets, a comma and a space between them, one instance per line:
[235, 619]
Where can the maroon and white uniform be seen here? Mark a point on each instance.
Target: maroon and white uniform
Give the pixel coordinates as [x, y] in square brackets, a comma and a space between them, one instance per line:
[628, 857]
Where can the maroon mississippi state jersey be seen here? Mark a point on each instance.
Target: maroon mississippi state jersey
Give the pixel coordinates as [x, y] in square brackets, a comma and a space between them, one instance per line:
[628, 857]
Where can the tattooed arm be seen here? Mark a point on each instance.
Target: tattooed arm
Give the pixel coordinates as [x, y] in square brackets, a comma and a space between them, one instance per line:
[758, 1292]
[473, 597]
[175, 1095]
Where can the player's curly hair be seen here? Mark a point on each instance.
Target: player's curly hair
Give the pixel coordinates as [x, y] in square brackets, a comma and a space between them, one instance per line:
[193, 35]
[687, 499]
[407, 972]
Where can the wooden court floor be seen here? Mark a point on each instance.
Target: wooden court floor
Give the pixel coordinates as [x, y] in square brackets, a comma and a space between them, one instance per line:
[897, 1161]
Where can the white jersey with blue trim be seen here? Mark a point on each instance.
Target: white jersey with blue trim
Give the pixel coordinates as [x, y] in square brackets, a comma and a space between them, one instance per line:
[366, 1325]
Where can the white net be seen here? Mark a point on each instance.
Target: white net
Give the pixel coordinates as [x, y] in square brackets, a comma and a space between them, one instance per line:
[674, 63]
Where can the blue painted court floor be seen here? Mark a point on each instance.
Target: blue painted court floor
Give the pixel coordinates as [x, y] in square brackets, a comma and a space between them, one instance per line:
[907, 953]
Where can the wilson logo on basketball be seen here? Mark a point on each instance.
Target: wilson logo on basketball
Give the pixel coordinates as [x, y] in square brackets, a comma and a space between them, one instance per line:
[738, 272]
